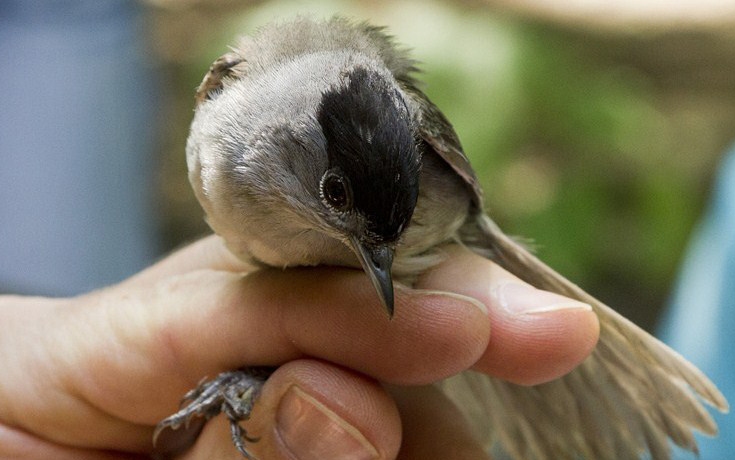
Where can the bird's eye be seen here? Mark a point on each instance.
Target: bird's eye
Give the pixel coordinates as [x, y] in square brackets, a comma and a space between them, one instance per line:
[336, 191]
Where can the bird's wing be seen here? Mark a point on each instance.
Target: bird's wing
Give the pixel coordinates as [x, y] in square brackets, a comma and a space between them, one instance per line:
[632, 394]
[222, 69]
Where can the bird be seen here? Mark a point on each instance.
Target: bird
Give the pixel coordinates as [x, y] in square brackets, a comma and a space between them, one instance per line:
[312, 143]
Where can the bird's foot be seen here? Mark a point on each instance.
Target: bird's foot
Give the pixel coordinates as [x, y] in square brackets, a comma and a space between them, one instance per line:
[232, 393]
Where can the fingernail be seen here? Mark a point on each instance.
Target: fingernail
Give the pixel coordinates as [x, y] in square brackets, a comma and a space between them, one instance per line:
[451, 295]
[310, 430]
[518, 298]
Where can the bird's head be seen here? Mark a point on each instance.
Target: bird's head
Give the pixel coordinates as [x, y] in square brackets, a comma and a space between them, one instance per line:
[314, 145]
[370, 185]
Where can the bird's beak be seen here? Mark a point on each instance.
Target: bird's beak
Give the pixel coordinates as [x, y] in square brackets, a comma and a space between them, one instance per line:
[377, 261]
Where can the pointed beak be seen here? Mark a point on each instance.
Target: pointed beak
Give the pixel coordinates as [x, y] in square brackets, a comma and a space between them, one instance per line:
[377, 262]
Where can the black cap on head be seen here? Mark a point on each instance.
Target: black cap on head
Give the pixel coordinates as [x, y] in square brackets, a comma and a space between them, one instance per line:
[371, 145]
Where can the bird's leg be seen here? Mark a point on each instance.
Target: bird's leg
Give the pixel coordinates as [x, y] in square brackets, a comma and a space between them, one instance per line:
[232, 393]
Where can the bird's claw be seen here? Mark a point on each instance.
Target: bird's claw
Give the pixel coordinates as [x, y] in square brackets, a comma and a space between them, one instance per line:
[232, 393]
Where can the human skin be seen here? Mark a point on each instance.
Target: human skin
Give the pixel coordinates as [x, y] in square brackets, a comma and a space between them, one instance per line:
[89, 377]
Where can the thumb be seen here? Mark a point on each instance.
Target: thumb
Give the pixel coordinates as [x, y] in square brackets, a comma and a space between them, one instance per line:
[310, 409]
[536, 336]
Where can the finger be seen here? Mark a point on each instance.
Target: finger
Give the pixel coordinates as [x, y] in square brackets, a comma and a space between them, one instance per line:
[164, 339]
[214, 442]
[37, 395]
[209, 252]
[17, 444]
[433, 427]
[537, 336]
[312, 410]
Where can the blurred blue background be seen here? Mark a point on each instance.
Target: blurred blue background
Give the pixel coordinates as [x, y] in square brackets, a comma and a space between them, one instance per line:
[76, 145]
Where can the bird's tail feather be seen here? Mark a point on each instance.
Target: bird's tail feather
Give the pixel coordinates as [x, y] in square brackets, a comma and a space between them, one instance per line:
[632, 394]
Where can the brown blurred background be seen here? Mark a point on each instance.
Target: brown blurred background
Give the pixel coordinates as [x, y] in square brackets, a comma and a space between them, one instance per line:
[595, 128]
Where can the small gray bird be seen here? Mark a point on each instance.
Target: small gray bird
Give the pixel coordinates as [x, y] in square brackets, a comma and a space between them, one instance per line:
[312, 144]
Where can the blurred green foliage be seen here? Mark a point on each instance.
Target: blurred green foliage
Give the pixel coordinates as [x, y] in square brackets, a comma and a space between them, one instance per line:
[578, 150]
[584, 165]
[610, 211]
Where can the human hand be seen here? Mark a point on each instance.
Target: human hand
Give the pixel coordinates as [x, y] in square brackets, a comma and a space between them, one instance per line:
[89, 377]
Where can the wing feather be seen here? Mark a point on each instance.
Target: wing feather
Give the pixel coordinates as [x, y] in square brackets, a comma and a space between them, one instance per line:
[631, 395]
